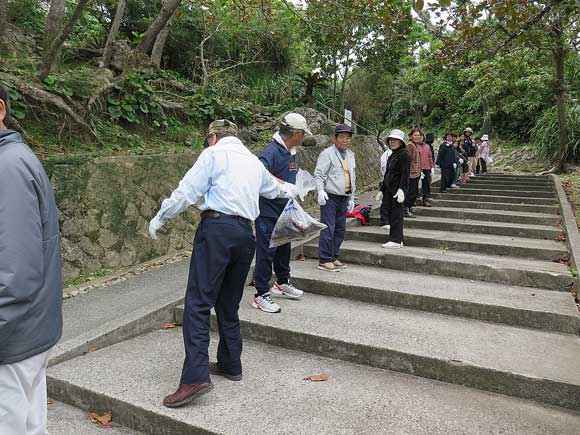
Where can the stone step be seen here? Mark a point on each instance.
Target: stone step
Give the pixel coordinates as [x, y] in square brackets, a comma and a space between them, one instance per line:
[493, 176]
[461, 196]
[511, 187]
[481, 227]
[495, 192]
[443, 239]
[511, 305]
[518, 217]
[130, 379]
[521, 362]
[533, 184]
[480, 267]
[475, 205]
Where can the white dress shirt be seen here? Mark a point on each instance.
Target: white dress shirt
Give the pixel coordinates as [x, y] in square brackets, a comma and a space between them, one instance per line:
[229, 178]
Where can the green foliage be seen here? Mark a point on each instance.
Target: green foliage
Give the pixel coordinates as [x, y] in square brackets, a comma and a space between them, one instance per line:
[134, 100]
[27, 14]
[545, 133]
[58, 85]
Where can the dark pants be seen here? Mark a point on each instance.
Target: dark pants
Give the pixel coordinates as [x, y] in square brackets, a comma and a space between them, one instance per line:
[481, 166]
[394, 212]
[266, 257]
[333, 215]
[413, 192]
[447, 175]
[426, 187]
[223, 249]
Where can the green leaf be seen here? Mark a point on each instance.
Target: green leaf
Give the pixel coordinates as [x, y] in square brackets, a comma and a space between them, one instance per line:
[419, 5]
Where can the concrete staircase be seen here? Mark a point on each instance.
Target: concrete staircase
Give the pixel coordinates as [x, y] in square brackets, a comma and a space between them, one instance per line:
[469, 329]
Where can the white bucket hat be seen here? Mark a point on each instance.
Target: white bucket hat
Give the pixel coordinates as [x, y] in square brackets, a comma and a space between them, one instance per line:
[485, 137]
[397, 134]
[468, 130]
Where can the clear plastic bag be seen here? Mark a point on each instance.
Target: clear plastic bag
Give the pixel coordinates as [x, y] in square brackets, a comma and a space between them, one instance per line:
[304, 183]
[294, 225]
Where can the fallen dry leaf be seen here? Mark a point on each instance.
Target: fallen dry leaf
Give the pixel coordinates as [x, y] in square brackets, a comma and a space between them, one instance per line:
[317, 378]
[169, 325]
[561, 238]
[104, 419]
[50, 402]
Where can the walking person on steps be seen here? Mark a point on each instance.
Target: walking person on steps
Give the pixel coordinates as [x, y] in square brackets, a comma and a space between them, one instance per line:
[384, 218]
[484, 154]
[415, 173]
[279, 158]
[427, 170]
[335, 178]
[470, 150]
[230, 179]
[395, 184]
[446, 161]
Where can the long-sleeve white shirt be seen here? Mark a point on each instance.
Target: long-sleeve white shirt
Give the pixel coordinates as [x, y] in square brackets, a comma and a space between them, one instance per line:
[229, 178]
[384, 161]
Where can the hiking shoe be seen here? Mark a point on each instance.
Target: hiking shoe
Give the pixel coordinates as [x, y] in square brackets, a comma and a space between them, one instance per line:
[409, 213]
[386, 227]
[390, 245]
[339, 264]
[215, 370]
[471, 174]
[286, 290]
[454, 186]
[428, 203]
[266, 304]
[329, 267]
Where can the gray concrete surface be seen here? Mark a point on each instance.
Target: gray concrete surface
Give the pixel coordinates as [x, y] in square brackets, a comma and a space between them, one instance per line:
[64, 419]
[512, 305]
[460, 195]
[518, 217]
[273, 398]
[449, 202]
[549, 250]
[469, 265]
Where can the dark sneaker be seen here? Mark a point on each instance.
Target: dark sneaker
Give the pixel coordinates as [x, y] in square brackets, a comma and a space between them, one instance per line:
[216, 371]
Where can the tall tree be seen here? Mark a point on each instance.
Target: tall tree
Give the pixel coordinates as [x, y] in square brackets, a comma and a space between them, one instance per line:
[3, 18]
[49, 55]
[54, 20]
[108, 50]
[167, 11]
[157, 52]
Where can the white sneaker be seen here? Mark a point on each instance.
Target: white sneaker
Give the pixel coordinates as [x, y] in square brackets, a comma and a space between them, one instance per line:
[266, 304]
[390, 245]
[386, 227]
[286, 290]
[339, 264]
[471, 174]
[454, 186]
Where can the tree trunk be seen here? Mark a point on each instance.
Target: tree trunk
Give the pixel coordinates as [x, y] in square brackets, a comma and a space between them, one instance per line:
[167, 11]
[157, 52]
[559, 55]
[53, 23]
[49, 56]
[108, 51]
[3, 18]
[342, 91]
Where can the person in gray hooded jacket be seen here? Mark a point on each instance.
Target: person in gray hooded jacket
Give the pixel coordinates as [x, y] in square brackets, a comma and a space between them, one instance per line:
[30, 282]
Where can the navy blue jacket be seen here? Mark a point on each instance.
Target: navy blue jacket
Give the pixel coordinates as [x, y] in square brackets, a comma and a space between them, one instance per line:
[281, 164]
[446, 156]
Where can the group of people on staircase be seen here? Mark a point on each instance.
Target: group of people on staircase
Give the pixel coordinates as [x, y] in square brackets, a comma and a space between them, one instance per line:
[407, 163]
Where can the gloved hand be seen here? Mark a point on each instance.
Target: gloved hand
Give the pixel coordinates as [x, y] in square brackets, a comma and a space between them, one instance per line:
[379, 197]
[432, 171]
[422, 175]
[400, 196]
[154, 226]
[350, 206]
[290, 190]
[454, 165]
[322, 197]
[461, 161]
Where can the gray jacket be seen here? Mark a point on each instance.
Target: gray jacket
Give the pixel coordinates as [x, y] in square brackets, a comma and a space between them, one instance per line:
[30, 262]
[329, 173]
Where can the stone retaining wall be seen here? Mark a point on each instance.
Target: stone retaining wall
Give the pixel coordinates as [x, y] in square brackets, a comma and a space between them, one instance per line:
[105, 204]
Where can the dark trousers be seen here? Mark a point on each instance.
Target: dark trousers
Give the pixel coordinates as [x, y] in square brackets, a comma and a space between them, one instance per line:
[266, 257]
[333, 215]
[394, 212]
[426, 185]
[447, 175]
[413, 192]
[481, 166]
[223, 249]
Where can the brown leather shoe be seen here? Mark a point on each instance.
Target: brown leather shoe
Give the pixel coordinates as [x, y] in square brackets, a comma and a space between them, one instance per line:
[215, 370]
[185, 394]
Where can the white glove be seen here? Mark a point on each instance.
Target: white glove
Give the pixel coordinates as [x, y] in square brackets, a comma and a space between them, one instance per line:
[379, 197]
[322, 197]
[154, 226]
[432, 171]
[350, 206]
[290, 190]
[422, 175]
[461, 161]
[454, 165]
[400, 196]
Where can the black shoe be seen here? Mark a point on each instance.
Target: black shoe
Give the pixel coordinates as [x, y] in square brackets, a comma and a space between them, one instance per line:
[443, 191]
[409, 214]
[215, 370]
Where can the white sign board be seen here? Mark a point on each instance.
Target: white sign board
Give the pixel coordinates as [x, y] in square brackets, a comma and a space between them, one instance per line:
[348, 117]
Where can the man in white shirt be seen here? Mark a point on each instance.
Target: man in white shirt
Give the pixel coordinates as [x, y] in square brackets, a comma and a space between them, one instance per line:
[230, 179]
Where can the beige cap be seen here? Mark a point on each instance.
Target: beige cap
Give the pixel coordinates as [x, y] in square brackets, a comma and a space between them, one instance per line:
[296, 122]
[222, 125]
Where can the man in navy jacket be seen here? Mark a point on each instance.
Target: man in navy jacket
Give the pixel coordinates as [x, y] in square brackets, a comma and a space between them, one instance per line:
[279, 157]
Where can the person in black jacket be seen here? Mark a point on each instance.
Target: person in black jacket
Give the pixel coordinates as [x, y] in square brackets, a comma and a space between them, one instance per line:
[395, 187]
[447, 162]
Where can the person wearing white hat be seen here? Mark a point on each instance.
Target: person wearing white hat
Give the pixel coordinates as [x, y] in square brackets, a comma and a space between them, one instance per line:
[470, 150]
[395, 186]
[483, 154]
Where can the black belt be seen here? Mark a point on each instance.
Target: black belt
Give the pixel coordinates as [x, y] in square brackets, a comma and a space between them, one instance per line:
[216, 215]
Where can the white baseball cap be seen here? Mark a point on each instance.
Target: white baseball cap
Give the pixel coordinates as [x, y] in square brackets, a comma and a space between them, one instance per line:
[485, 137]
[297, 122]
